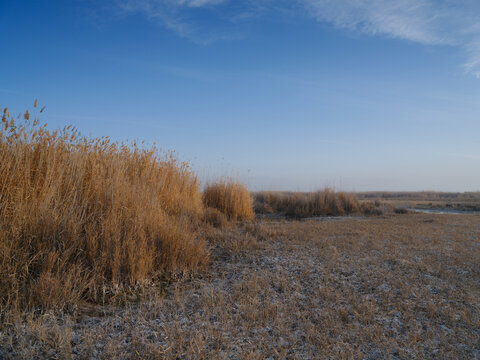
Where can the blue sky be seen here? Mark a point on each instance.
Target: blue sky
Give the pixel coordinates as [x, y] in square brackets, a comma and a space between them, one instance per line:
[360, 95]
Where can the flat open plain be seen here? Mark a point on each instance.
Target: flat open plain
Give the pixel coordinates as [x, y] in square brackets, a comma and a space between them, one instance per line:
[391, 287]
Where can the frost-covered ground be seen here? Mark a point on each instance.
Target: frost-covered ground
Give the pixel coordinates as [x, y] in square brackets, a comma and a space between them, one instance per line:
[398, 287]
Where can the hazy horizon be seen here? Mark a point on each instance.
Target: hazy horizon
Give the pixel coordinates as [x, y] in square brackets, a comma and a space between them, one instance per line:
[283, 95]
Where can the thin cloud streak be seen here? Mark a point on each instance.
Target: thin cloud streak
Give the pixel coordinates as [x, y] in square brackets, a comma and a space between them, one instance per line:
[178, 16]
[473, 64]
[429, 22]
[414, 20]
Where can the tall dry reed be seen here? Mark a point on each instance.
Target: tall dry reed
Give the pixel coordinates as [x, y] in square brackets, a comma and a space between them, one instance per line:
[230, 198]
[77, 214]
[297, 204]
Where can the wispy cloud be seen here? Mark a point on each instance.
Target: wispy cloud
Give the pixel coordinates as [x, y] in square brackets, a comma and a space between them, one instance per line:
[197, 3]
[155, 4]
[473, 63]
[415, 20]
[430, 22]
[182, 16]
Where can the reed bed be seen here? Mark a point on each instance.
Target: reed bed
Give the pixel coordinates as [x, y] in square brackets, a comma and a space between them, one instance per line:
[80, 215]
[230, 198]
[298, 204]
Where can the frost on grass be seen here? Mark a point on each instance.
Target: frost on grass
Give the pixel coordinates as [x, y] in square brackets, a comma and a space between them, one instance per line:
[401, 287]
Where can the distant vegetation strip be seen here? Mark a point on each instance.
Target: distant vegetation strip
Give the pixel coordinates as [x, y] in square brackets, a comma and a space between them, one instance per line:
[296, 204]
[326, 202]
[420, 195]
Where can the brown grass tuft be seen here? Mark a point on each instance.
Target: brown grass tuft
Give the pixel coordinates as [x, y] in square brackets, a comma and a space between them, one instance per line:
[231, 198]
[77, 214]
[215, 218]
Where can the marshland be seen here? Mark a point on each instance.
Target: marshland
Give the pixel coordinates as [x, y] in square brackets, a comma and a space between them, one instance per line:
[239, 179]
[111, 250]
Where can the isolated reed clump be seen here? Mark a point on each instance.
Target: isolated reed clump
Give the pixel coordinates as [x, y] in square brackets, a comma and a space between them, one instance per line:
[230, 198]
[297, 204]
[77, 214]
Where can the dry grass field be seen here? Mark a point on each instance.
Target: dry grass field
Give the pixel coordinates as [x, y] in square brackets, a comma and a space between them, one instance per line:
[392, 287]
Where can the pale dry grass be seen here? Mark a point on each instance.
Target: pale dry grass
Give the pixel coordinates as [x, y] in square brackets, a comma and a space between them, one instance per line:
[300, 204]
[230, 198]
[397, 287]
[80, 215]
